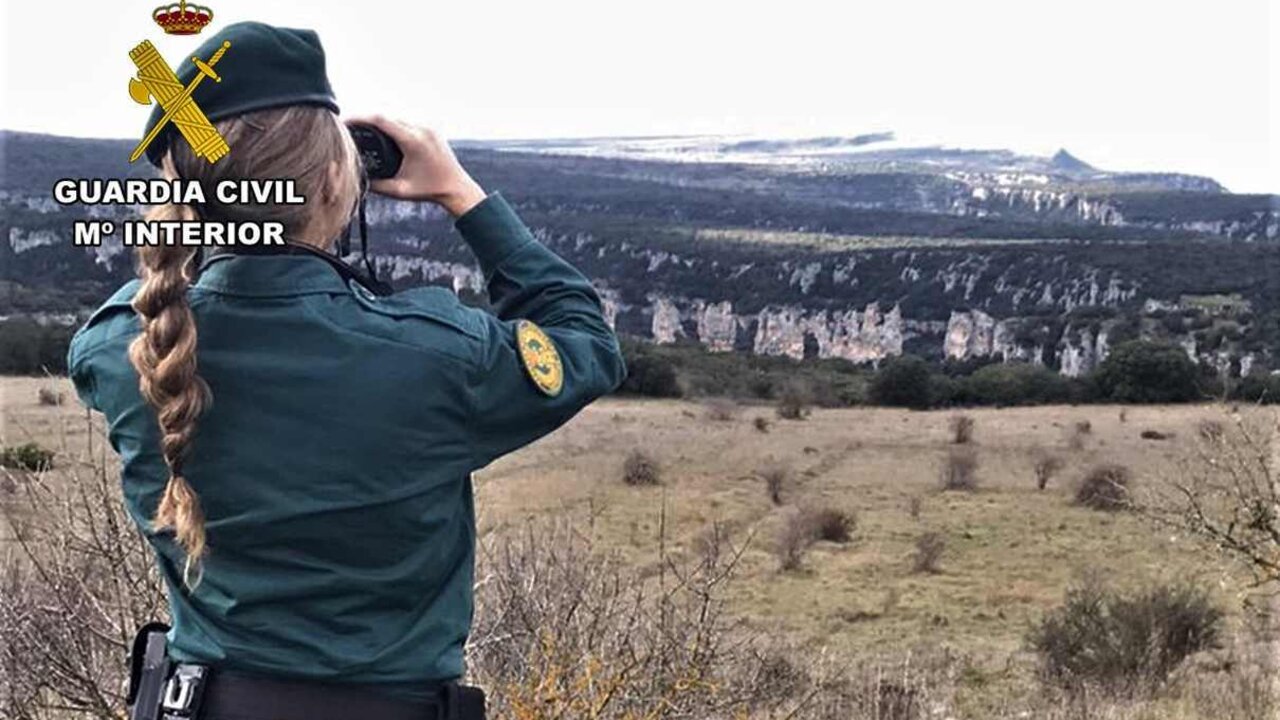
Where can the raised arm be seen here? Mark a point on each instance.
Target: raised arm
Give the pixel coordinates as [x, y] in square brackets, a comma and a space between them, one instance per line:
[549, 350]
[518, 399]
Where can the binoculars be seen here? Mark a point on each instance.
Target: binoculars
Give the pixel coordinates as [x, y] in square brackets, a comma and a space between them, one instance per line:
[380, 156]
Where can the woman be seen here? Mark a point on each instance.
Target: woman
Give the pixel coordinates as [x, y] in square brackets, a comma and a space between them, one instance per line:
[297, 449]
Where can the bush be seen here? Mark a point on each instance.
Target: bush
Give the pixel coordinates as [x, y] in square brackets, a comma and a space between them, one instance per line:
[1047, 466]
[640, 468]
[929, 549]
[30, 457]
[904, 381]
[831, 524]
[1141, 371]
[1154, 435]
[1124, 643]
[961, 429]
[721, 410]
[1080, 431]
[777, 480]
[50, 397]
[31, 348]
[648, 374]
[1258, 387]
[1014, 384]
[1105, 487]
[761, 424]
[959, 470]
[794, 541]
[1211, 431]
[794, 402]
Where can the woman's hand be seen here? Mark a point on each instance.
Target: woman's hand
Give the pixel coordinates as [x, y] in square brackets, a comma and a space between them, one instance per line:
[430, 170]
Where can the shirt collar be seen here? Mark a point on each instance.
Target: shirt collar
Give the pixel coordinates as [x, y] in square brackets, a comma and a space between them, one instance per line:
[270, 275]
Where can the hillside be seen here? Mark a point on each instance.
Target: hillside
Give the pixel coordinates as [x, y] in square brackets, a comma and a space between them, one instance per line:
[954, 635]
[859, 248]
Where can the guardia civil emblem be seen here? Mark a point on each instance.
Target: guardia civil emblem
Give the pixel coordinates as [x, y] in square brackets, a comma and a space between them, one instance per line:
[156, 80]
[540, 358]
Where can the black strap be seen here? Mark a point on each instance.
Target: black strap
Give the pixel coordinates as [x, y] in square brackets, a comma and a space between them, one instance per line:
[369, 280]
[372, 283]
[364, 244]
[245, 697]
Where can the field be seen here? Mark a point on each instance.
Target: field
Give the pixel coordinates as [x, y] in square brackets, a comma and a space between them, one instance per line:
[1011, 550]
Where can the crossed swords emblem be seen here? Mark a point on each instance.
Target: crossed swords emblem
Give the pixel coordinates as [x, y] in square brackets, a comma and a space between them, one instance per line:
[156, 80]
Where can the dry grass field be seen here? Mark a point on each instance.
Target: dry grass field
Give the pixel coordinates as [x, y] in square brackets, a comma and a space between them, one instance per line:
[1011, 550]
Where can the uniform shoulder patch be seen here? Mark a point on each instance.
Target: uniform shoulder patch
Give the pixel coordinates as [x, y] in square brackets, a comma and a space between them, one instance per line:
[540, 358]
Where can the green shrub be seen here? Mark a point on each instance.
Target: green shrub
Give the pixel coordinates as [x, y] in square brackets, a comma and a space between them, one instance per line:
[1014, 384]
[27, 457]
[904, 381]
[688, 369]
[1124, 642]
[31, 348]
[1258, 387]
[651, 376]
[1141, 371]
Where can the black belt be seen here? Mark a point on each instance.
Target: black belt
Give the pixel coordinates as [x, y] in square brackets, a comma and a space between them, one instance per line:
[164, 689]
[233, 696]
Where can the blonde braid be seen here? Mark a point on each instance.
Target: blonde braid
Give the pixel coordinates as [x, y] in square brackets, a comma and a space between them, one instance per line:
[164, 354]
[300, 142]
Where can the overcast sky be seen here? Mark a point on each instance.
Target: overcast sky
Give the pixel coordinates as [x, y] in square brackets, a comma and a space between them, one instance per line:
[1124, 84]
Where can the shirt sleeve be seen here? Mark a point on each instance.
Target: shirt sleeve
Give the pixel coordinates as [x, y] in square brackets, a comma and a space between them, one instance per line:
[527, 281]
[79, 373]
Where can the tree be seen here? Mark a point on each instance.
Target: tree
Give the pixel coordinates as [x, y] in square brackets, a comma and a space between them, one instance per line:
[648, 374]
[1015, 384]
[1142, 371]
[904, 381]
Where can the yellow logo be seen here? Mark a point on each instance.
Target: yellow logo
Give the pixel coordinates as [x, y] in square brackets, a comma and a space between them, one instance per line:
[156, 80]
[540, 358]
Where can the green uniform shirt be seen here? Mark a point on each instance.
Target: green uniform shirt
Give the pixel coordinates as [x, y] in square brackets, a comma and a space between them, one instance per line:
[334, 463]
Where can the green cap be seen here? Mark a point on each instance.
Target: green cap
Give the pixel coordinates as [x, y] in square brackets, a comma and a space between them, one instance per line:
[264, 67]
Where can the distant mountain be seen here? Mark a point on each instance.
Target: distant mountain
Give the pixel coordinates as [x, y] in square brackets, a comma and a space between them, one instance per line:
[1064, 161]
[868, 153]
[858, 248]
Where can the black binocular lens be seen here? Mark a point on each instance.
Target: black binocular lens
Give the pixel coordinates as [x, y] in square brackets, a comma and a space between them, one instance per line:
[379, 154]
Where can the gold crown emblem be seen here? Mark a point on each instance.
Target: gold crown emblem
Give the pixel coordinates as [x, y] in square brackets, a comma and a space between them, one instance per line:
[182, 19]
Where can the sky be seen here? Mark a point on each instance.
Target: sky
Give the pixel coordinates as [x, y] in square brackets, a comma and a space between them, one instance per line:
[1123, 84]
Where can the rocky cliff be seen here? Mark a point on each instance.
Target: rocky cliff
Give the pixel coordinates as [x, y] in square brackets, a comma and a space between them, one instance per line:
[820, 249]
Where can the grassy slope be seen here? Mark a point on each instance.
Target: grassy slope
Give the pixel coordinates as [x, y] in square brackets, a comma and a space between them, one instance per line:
[1011, 549]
